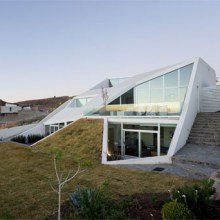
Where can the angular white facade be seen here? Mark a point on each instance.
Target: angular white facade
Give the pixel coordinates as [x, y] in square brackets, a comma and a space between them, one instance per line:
[147, 117]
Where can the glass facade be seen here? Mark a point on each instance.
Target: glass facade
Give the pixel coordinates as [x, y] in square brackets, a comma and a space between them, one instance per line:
[77, 103]
[116, 81]
[139, 140]
[162, 95]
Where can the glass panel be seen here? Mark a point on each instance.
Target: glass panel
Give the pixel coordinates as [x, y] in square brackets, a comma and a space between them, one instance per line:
[148, 144]
[128, 97]
[114, 141]
[171, 94]
[131, 143]
[156, 95]
[166, 135]
[182, 94]
[80, 102]
[142, 93]
[47, 129]
[171, 79]
[89, 99]
[114, 82]
[185, 74]
[115, 102]
[157, 83]
[61, 125]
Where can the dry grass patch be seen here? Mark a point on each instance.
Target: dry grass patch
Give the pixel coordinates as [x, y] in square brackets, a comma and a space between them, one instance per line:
[26, 173]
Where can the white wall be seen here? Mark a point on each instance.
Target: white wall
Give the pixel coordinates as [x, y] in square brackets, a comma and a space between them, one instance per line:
[8, 133]
[36, 130]
[10, 109]
[202, 75]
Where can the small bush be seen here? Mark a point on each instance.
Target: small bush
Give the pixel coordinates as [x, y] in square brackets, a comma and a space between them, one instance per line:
[90, 201]
[92, 204]
[19, 139]
[196, 197]
[34, 138]
[175, 210]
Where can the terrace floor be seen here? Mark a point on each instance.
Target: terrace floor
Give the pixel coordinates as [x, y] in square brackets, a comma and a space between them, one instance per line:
[192, 161]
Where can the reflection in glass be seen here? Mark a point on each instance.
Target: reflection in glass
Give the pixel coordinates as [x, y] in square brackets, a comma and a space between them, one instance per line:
[156, 95]
[171, 95]
[131, 143]
[185, 74]
[182, 94]
[142, 93]
[160, 96]
[148, 144]
[157, 82]
[166, 135]
[171, 79]
[114, 139]
[128, 97]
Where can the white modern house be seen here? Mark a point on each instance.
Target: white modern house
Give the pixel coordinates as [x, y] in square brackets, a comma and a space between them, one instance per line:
[9, 109]
[147, 117]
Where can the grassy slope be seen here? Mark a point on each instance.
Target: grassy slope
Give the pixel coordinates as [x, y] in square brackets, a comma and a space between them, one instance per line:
[25, 174]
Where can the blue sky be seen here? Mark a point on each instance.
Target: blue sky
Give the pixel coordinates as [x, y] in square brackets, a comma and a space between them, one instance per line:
[53, 48]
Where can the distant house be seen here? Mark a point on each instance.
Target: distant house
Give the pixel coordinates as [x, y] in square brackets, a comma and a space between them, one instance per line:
[10, 109]
[26, 108]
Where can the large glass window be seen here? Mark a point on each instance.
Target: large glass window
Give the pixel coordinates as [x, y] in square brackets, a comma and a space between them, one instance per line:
[162, 96]
[139, 140]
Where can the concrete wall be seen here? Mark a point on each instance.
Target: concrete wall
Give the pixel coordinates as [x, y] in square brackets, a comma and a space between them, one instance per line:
[36, 130]
[202, 75]
[8, 133]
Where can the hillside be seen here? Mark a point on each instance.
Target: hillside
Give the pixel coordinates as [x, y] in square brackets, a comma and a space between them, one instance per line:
[26, 174]
[45, 104]
[2, 103]
[40, 109]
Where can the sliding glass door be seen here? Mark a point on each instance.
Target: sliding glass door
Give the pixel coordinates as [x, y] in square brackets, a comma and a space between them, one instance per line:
[140, 143]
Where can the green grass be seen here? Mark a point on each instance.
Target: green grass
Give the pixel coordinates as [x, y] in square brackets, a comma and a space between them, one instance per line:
[26, 174]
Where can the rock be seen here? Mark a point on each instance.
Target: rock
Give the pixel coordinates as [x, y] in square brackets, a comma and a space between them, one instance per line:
[216, 177]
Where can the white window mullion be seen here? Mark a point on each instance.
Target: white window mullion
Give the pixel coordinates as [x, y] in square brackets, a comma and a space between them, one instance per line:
[122, 140]
[158, 141]
[139, 144]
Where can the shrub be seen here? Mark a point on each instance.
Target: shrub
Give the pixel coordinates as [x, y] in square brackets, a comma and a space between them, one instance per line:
[175, 210]
[90, 201]
[34, 138]
[93, 204]
[20, 139]
[197, 197]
